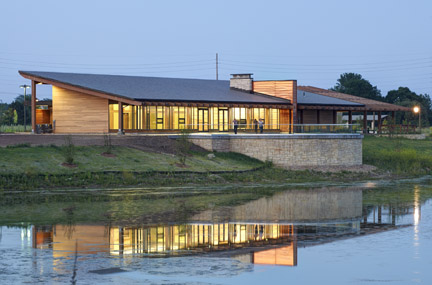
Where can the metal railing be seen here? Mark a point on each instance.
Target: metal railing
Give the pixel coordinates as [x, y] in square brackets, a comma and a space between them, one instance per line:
[399, 129]
[327, 128]
[267, 128]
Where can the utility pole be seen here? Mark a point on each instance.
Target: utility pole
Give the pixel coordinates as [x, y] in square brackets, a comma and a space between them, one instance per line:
[217, 63]
[25, 86]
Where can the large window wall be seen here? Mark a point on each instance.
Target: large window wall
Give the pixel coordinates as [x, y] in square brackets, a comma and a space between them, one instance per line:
[194, 118]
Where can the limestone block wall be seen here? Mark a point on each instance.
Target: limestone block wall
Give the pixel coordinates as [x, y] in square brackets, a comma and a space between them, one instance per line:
[290, 150]
[321, 204]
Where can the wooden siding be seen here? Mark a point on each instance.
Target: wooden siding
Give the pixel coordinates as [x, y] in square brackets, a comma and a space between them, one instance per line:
[326, 117]
[76, 112]
[285, 120]
[310, 117]
[286, 89]
[282, 89]
[43, 116]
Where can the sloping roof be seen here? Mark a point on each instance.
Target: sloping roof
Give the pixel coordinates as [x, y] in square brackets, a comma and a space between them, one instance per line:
[157, 88]
[309, 98]
[370, 105]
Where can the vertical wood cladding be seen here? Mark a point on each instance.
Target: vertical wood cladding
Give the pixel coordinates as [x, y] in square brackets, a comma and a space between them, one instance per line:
[281, 89]
[311, 117]
[285, 120]
[43, 116]
[76, 112]
[286, 89]
[326, 117]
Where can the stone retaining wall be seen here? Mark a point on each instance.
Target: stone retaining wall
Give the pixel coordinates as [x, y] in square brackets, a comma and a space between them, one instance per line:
[289, 150]
[321, 204]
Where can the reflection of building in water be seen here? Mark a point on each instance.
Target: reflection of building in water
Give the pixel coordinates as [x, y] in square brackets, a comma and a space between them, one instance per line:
[285, 255]
[264, 243]
[198, 237]
[268, 226]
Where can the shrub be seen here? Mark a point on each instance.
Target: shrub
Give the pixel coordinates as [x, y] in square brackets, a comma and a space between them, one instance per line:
[183, 146]
[108, 143]
[68, 150]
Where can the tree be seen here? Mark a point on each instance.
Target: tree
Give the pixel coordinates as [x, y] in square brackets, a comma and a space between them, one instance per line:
[355, 84]
[405, 97]
[18, 105]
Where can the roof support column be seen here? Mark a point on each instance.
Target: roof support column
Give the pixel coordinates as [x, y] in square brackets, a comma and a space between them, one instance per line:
[318, 117]
[33, 106]
[350, 120]
[364, 122]
[334, 117]
[291, 122]
[379, 122]
[120, 118]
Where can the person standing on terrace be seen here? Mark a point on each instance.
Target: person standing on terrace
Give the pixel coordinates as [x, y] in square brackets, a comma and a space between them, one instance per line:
[235, 123]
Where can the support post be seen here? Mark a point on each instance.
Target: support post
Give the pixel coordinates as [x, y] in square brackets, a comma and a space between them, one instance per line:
[120, 118]
[365, 122]
[334, 117]
[379, 122]
[33, 106]
[350, 120]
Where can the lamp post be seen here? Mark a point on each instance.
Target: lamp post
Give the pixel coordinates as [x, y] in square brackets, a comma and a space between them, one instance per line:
[25, 86]
[417, 110]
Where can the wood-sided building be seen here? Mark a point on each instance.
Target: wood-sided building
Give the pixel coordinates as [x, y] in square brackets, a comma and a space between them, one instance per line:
[94, 103]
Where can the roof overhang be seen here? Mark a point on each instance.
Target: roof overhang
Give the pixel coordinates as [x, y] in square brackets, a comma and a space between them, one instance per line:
[80, 89]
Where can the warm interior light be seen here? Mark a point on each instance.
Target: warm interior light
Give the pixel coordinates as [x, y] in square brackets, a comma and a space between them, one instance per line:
[416, 109]
[39, 83]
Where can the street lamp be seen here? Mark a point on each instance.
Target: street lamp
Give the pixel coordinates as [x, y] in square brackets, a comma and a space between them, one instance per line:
[25, 86]
[417, 110]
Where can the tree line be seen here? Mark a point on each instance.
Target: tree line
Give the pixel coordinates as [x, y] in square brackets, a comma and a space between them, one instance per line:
[13, 113]
[355, 84]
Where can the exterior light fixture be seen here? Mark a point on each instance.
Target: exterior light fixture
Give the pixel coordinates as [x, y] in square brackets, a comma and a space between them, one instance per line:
[416, 110]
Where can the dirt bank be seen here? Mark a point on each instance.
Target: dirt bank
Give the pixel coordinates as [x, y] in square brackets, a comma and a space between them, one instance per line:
[153, 143]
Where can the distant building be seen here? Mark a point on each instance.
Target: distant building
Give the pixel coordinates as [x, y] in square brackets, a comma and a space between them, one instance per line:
[93, 103]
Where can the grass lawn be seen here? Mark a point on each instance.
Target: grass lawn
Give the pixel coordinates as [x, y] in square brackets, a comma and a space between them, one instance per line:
[42, 160]
[398, 155]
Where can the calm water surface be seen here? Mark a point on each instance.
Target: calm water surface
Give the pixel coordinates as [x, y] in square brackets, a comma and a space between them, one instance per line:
[371, 233]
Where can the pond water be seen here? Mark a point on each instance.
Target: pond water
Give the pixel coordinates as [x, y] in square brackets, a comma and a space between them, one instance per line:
[377, 232]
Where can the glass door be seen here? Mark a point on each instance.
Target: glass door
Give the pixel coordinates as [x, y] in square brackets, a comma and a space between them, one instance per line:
[223, 120]
[203, 120]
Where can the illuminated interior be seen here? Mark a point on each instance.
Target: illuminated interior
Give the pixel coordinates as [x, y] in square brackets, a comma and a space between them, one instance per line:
[161, 239]
[194, 118]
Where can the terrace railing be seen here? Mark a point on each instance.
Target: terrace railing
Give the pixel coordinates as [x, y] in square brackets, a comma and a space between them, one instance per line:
[327, 128]
[398, 129]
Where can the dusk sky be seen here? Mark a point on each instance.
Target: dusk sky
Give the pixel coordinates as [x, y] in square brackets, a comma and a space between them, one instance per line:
[389, 42]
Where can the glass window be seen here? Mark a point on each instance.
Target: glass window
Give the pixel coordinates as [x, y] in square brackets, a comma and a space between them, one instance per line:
[113, 116]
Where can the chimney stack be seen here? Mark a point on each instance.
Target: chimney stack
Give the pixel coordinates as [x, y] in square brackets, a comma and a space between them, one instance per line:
[242, 82]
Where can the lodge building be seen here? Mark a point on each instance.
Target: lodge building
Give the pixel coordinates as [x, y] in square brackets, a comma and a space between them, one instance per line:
[93, 103]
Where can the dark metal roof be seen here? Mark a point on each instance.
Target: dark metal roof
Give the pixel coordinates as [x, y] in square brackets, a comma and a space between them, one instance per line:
[158, 88]
[309, 98]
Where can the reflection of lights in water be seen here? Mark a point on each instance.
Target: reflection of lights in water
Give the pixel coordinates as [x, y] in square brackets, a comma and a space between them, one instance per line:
[417, 214]
[417, 206]
[370, 185]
